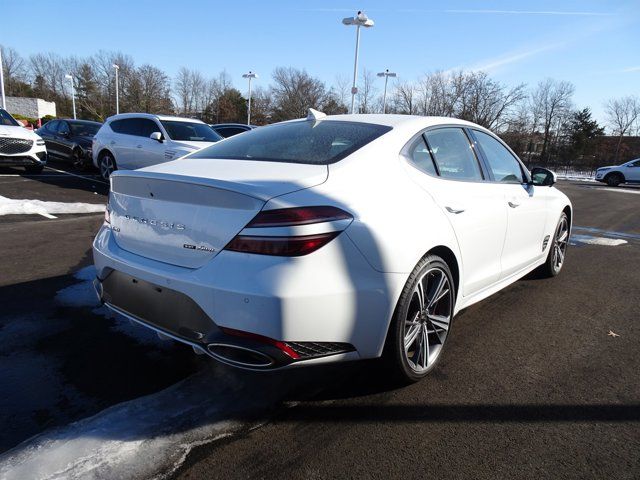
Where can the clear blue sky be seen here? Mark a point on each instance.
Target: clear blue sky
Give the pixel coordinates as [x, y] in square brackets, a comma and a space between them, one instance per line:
[594, 44]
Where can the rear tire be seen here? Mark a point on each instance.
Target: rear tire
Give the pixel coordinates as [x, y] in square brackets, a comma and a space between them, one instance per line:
[614, 179]
[557, 249]
[421, 321]
[107, 165]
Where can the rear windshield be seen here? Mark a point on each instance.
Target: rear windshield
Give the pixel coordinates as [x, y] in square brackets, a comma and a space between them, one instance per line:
[84, 129]
[306, 141]
[190, 132]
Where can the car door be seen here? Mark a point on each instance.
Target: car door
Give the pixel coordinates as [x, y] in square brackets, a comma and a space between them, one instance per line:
[123, 143]
[149, 151]
[63, 140]
[478, 215]
[632, 171]
[526, 204]
[48, 133]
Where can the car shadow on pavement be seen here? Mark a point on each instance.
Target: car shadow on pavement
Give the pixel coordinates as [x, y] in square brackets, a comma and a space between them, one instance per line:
[373, 413]
[87, 181]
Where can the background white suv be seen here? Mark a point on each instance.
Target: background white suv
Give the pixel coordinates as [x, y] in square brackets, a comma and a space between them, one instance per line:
[20, 147]
[626, 173]
[135, 140]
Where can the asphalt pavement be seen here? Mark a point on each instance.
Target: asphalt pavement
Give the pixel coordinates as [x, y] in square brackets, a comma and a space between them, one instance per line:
[539, 380]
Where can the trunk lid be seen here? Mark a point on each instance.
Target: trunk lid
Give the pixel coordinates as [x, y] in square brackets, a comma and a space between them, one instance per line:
[184, 212]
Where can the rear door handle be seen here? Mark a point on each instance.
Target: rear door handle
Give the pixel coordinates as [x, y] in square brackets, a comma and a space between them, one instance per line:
[513, 204]
[139, 146]
[112, 142]
[454, 210]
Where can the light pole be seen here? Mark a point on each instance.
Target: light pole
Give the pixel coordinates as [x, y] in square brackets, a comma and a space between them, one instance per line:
[386, 74]
[250, 76]
[360, 20]
[73, 94]
[117, 68]
[4, 103]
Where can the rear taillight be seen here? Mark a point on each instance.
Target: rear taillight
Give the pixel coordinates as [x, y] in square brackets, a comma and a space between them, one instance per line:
[286, 217]
[291, 232]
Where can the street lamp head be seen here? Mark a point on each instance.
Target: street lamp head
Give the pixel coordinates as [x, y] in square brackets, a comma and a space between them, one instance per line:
[360, 20]
[70, 77]
[117, 67]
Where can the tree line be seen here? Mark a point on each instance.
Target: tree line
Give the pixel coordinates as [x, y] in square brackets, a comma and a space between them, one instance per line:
[541, 122]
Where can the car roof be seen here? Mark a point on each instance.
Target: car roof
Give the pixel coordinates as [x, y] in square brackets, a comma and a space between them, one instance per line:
[153, 116]
[398, 120]
[88, 122]
[214, 125]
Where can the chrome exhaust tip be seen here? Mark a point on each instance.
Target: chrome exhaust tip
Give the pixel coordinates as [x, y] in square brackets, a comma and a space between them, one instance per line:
[240, 356]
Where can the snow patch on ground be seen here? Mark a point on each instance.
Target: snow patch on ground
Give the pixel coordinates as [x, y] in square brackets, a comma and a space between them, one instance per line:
[10, 206]
[148, 437]
[591, 240]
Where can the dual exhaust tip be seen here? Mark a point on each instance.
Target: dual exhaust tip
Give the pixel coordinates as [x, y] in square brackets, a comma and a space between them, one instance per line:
[238, 356]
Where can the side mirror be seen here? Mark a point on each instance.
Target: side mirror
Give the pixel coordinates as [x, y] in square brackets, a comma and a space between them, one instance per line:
[541, 177]
[157, 136]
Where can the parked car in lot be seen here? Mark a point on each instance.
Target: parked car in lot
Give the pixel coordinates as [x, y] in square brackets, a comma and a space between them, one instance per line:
[20, 147]
[70, 139]
[135, 140]
[615, 175]
[230, 129]
[328, 239]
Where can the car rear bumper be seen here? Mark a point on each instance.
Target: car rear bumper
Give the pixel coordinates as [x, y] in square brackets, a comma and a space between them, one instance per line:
[325, 307]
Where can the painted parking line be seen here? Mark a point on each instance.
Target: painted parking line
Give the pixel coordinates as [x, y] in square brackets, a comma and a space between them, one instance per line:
[91, 179]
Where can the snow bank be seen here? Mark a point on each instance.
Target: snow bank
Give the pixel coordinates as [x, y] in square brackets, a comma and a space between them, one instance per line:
[151, 436]
[148, 437]
[591, 240]
[10, 206]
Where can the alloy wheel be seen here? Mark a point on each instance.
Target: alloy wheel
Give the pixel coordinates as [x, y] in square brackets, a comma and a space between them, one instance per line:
[560, 244]
[107, 166]
[428, 319]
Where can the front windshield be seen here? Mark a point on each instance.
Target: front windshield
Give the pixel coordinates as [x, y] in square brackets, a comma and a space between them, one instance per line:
[6, 119]
[84, 129]
[190, 131]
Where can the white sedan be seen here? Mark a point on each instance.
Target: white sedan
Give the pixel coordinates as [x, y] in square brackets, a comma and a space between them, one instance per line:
[327, 239]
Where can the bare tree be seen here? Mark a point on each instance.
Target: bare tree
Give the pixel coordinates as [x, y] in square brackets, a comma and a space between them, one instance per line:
[295, 91]
[404, 98]
[342, 89]
[191, 91]
[15, 71]
[622, 114]
[551, 100]
[367, 92]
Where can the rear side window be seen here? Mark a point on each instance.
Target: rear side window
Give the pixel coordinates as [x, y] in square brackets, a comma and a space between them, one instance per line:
[140, 127]
[504, 166]
[305, 141]
[420, 157]
[453, 154]
[126, 126]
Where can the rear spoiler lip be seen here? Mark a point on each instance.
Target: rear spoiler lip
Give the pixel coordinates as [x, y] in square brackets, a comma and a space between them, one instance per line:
[248, 189]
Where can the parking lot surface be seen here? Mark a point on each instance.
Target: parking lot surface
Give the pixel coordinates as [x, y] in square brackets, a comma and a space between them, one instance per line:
[539, 380]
